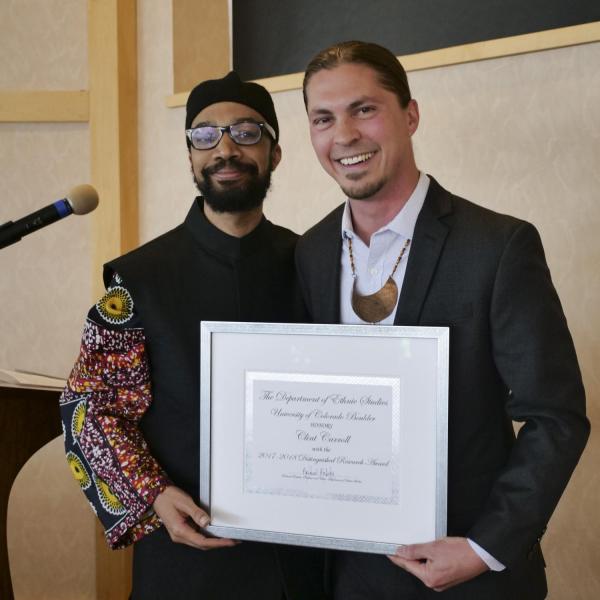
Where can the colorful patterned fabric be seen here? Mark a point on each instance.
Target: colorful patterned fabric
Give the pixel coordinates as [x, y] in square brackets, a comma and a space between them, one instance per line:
[107, 394]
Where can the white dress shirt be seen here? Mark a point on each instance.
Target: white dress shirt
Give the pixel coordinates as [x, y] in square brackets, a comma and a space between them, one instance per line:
[374, 264]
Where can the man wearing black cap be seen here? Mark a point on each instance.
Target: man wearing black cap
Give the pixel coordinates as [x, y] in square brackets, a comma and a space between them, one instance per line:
[130, 409]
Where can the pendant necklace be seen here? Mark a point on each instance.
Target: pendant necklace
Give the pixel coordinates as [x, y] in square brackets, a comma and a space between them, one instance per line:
[375, 307]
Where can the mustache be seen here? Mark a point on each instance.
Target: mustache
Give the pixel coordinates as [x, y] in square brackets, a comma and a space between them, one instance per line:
[232, 163]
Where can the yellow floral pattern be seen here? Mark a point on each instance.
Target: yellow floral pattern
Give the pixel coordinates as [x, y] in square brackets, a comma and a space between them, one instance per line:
[79, 471]
[116, 306]
[109, 501]
[78, 419]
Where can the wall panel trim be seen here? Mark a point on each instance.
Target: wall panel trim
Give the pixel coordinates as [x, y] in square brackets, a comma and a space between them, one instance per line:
[36, 106]
[509, 46]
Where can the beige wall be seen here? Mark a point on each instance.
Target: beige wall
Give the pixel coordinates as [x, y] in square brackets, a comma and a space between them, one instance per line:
[517, 134]
[45, 286]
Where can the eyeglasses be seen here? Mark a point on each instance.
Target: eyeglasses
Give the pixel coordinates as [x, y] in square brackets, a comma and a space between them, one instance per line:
[245, 133]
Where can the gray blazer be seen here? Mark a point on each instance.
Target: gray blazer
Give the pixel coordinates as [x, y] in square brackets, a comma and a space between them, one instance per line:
[512, 358]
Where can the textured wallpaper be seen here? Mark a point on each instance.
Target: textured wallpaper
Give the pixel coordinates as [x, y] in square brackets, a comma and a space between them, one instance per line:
[165, 182]
[44, 284]
[45, 287]
[44, 279]
[43, 44]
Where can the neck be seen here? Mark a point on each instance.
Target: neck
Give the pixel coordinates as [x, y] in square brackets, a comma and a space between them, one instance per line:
[371, 214]
[234, 224]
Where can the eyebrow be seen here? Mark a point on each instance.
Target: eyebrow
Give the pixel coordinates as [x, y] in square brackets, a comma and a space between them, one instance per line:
[353, 105]
[362, 100]
[320, 111]
[234, 122]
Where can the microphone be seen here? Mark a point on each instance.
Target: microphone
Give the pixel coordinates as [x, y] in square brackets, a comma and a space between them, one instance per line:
[81, 200]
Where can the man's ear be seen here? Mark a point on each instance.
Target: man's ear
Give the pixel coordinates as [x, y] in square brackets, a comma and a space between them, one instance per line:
[412, 116]
[275, 156]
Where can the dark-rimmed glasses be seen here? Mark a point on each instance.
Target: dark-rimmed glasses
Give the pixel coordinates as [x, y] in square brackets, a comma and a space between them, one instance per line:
[245, 133]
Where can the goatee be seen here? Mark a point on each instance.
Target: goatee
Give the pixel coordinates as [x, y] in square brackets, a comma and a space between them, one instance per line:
[234, 197]
[365, 192]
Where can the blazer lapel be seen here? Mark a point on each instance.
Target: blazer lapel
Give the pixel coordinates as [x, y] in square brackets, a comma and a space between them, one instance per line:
[327, 289]
[426, 247]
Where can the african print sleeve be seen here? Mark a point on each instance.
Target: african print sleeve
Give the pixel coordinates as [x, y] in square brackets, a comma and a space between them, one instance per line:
[106, 395]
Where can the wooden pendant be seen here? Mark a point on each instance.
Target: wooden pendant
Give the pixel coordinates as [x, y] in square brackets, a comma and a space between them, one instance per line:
[375, 307]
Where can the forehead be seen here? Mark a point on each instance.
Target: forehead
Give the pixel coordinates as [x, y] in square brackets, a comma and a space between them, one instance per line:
[343, 85]
[225, 113]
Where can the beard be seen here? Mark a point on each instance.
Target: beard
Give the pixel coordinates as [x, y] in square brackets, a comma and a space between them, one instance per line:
[364, 192]
[234, 197]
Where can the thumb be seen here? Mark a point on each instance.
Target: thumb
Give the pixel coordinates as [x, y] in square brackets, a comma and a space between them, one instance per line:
[198, 515]
[411, 551]
[186, 505]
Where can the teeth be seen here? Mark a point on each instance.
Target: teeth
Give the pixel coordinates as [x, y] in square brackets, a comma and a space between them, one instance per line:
[353, 160]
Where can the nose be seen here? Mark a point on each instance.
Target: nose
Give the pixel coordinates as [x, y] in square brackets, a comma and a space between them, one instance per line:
[227, 148]
[346, 132]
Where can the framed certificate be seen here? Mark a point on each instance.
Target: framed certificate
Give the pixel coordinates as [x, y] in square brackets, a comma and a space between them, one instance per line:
[331, 436]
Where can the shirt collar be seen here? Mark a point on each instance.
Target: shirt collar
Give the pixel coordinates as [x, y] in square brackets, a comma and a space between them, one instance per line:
[404, 222]
[218, 242]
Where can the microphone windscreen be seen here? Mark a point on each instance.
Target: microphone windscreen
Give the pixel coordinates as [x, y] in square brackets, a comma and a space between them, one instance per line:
[83, 199]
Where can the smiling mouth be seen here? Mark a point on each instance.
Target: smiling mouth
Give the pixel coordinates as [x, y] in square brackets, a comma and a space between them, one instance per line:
[226, 175]
[229, 171]
[357, 159]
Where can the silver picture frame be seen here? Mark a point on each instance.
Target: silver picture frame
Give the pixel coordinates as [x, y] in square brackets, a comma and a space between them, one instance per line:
[331, 436]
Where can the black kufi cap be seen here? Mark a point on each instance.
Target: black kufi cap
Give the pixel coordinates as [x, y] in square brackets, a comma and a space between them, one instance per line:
[231, 89]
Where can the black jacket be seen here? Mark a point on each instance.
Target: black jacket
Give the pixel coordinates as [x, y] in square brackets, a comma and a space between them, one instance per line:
[511, 359]
[196, 272]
